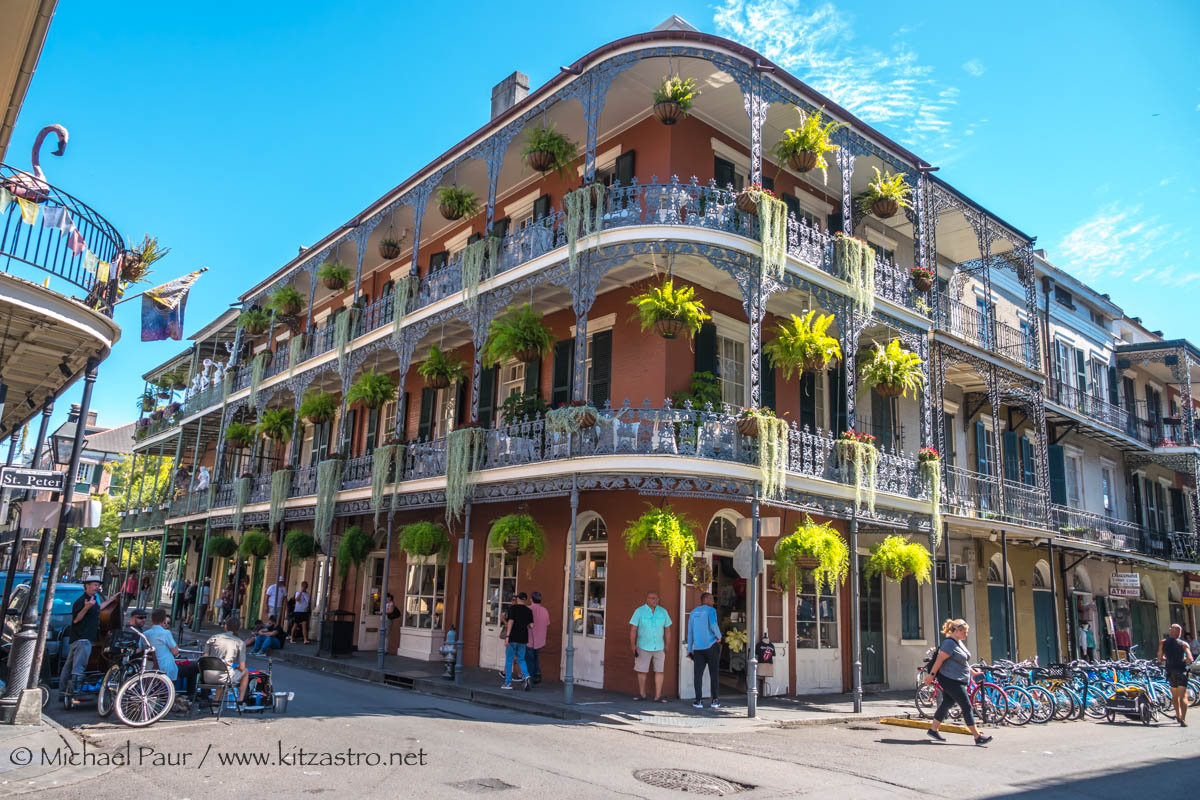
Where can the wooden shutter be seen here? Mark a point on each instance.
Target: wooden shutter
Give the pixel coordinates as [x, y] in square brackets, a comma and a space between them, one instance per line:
[372, 431]
[837, 399]
[1081, 376]
[438, 260]
[1012, 465]
[541, 207]
[564, 371]
[1028, 467]
[402, 417]
[793, 204]
[1135, 496]
[533, 377]
[425, 420]
[348, 432]
[706, 349]
[601, 387]
[766, 377]
[487, 396]
[834, 221]
[1161, 501]
[623, 169]
[1178, 510]
[1058, 474]
[723, 172]
[982, 465]
[1114, 389]
[808, 401]
[462, 410]
[500, 227]
[950, 456]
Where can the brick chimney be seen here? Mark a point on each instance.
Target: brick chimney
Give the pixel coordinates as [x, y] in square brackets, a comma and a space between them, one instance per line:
[508, 92]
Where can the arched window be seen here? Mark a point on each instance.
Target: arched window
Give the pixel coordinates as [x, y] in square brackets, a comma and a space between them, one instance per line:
[1080, 582]
[1173, 594]
[1041, 575]
[994, 571]
[1148, 592]
[593, 530]
[722, 533]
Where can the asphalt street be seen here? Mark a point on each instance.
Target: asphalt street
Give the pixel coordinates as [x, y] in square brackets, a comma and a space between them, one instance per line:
[351, 739]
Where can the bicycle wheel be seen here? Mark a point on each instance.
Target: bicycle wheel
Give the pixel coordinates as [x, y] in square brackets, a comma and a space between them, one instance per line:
[107, 695]
[1094, 703]
[990, 704]
[1066, 703]
[928, 697]
[1044, 707]
[144, 699]
[1193, 692]
[1020, 705]
[1160, 699]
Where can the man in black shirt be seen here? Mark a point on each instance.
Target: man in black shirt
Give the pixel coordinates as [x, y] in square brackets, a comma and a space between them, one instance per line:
[1176, 655]
[84, 630]
[519, 618]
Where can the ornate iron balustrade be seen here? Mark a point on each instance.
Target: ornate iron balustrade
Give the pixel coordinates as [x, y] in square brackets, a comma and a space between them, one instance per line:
[1091, 407]
[357, 472]
[971, 325]
[974, 494]
[1085, 526]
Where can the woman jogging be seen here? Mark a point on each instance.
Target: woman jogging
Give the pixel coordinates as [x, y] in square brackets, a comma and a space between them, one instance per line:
[952, 670]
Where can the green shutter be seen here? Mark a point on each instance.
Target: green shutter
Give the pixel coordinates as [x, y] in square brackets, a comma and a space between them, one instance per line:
[982, 465]
[348, 431]
[793, 204]
[425, 421]
[462, 408]
[706, 349]
[1012, 465]
[722, 172]
[1028, 467]
[487, 396]
[1114, 390]
[541, 207]
[808, 401]
[1058, 475]
[372, 431]
[837, 399]
[601, 387]
[1178, 511]
[766, 377]
[1135, 508]
[533, 377]
[623, 168]
[564, 369]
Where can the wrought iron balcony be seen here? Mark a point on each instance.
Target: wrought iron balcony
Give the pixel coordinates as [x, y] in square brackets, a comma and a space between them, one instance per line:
[1092, 407]
[972, 325]
[974, 494]
[1085, 526]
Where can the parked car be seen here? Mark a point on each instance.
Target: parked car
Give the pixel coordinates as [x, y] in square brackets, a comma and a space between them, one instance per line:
[65, 595]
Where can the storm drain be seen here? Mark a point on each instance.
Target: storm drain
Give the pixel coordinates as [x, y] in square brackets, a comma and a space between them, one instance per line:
[683, 780]
[482, 785]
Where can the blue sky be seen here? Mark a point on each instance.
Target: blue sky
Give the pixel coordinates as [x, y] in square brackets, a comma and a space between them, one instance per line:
[235, 139]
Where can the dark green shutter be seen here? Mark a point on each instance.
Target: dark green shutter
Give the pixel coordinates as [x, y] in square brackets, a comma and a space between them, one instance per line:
[541, 207]
[1114, 390]
[793, 204]
[1178, 511]
[623, 168]
[601, 387]
[766, 377]
[706, 349]
[402, 417]
[722, 172]
[1058, 474]
[950, 456]
[1161, 501]
[1028, 468]
[881, 418]
[533, 377]
[982, 465]
[1012, 465]
[834, 221]
[348, 431]
[500, 227]
[474, 237]
[372, 431]
[462, 410]
[837, 399]
[487, 396]
[1081, 378]
[808, 401]
[564, 370]
[425, 420]
[1135, 492]
[438, 260]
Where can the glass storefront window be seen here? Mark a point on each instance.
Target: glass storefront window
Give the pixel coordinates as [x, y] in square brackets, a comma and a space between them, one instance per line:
[816, 615]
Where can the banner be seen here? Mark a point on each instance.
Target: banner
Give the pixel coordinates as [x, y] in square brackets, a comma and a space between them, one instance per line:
[162, 309]
[1125, 584]
[1191, 589]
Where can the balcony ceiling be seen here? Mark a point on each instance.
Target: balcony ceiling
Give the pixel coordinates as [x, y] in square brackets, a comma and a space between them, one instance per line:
[23, 28]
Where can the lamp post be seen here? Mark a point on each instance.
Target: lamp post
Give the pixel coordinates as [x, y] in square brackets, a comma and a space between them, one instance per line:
[104, 566]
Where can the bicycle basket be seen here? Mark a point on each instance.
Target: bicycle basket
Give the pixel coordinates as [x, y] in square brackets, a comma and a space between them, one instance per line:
[1057, 672]
[120, 643]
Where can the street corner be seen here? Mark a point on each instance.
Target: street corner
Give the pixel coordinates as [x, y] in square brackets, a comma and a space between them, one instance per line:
[48, 755]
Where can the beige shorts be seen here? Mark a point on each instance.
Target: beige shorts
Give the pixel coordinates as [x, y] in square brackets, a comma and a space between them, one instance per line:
[647, 657]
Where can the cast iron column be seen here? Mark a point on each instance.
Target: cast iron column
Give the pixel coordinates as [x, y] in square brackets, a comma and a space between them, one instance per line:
[569, 666]
[752, 615]
[462, 592]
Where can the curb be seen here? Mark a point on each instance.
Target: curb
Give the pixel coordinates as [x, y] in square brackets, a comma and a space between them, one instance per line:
[924, 725]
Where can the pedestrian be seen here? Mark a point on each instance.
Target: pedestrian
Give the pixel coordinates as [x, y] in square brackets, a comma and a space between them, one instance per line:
[1175, 654]
[537, 637]
[189, 602]
[147, 587]
[300, 614]
[226, 602]
[130, 590]
[83, 632]
[268, 636]
[1087, 641]
[704, 649]
[518, 621]
[648, 639]
[276, 596]
[166, 650]
[230, 648]
[952, 670]
[1193, 643]
[202, 611]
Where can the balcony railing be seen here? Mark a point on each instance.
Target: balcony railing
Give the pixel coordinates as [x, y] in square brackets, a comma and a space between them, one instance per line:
[971, 325]
[1092, 407]
[1097, 528]
[974, 494]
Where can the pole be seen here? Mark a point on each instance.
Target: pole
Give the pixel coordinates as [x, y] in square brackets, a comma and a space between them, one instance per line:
[462, 593]
[385, 624]
[1008, 634]
[18, 537]
[1054, 594]
[752, 614]
[201, 576]
[855, 613]
[180, 602]
[933, 549]
[569, 674]
[949, 583]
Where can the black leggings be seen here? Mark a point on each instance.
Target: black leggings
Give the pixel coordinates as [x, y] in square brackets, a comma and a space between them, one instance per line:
[953, 692]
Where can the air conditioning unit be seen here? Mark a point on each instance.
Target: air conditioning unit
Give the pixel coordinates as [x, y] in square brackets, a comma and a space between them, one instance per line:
[958, 572]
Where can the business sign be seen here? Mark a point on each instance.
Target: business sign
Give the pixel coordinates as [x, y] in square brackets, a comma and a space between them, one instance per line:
[1191, 589]
[17, 478]
[1125, 584]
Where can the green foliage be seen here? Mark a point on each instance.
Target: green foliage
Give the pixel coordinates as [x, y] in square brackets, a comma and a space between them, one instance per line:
[222, 546]
[519, 330]
[803, 343]
[318, 406]
[334, 270]
[885, 185]
[855, 262]
[703, 388]
[140, 257]
[895, 558]
[464, 454]
[666, 302]
[681, 91]
[675, 533]
[810, 137]
[238, 431]
[145, 401]
[812, 540]
[772, 455]
[893, 366]
[424, 539]
[286, 297]
[372, 388]
[442, 364]
[254, 320]
[255, 543]
[355, 546]
[300, 544]
[276, 424]
[530, 537]
[522, 406]
[458, 201]
[547, 139]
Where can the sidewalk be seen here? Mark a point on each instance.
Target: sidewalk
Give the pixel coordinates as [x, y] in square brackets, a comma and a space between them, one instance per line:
[34, 758]
[483, 686]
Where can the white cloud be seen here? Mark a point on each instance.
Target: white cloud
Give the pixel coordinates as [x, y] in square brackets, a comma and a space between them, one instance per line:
[1123, 242]
[974, 68]
[891, 87]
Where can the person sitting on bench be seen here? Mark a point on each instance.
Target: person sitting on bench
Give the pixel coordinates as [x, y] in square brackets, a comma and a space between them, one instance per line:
[230, 648]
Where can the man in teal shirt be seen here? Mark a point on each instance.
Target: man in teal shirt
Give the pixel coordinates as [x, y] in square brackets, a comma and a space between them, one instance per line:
[648, 639]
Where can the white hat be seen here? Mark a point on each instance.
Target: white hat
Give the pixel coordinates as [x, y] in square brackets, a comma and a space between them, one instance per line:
[92, 577]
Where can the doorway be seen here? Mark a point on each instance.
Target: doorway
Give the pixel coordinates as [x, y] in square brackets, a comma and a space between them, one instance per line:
[500, 587]
[370, 617]
[870, 625]
[589, 600]
[1043, 613]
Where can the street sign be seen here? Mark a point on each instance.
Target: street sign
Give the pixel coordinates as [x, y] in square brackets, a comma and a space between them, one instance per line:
[741, 559]
[45, 479]
[1124, 584]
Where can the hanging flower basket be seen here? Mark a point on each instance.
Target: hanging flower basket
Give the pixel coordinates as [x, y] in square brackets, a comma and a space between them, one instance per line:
[178, 385]
[889, 389]
[815, 364]
[236, 444]
[163, 394]
[699, 573]
[438, 382]
[333, 283]
[745, 202]
[802, 161]
[748, 426]
[885, 207]
[528, 355]
[512, 546]
[922, 279]
[389, 249]
[669, 327]
[540, 160]
[668, 112]
[449, 212]
[586, 419]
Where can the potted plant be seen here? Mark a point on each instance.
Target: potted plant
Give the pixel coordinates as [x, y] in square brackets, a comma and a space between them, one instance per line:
[157, 415]
[747, 420]
[238, 434]
[521, 334]
[518, 534]
[922, 279]
[333, 274]
[455, 202]
[173, 409]
[355, 546]
[335, 456]
[163, 386]
[318, 407]
[300, 544]
[522, 406]
[145, 401]
[673, 99]
[704, 389]
[136, 261]
[815, 546]
[178, 380]
[222, 546]
[389, 247]
[803, 343]
[804, 148]
[255, 543]
[372, 388]
[892, 370]
[747, 199]
[546, 149]
[670, 310]
[287, 301]
[424, 539]
[276, 424]
[895, 558]
[255, 321]
[886, 194]
[441, 369]
[570, 417]
[661, 532]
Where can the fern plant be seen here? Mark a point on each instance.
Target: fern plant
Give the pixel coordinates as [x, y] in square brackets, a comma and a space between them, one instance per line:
[238, 434]
[286, 300]
[455, 202]
[704, 388]
[255, 543]
[424, 539]
[254, 320]
[519, 534]
[546, 149]
[680, 91]
[663, 533]
[895, 558]
[372, 388]
[670, 310]
[803, 343]
[318, 407]
[812, 542]
[300, 544]
[521, 334]
[892, 370]
[333, 274]
[276, 424]
[887, 188]
[355, 546]
[222, 546]
[441, 369]
[805, 147]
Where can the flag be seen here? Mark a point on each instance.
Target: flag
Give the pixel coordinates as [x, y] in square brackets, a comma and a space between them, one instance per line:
[5, 198]
[162, 309]
[29, 210]
[55, 217]
[102, 271]
[89, 262]
[75, 241]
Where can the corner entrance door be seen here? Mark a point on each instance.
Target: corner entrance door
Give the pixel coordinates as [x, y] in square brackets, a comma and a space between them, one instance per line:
[500, 586]
[1043, 624]
[588, 606]
[870, 623]
[370, 615]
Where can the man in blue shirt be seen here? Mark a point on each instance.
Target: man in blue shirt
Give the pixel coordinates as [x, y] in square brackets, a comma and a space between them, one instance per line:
[704, 649]
[165, 651]
[648, 640]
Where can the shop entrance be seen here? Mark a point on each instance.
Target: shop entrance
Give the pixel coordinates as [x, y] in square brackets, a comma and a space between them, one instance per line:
[870, 609]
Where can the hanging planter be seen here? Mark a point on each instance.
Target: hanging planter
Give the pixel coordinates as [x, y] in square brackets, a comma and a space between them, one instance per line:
[546, 149]
[670, 311]
[570, 417]
[372, 389]
[333, 274]
[747, 422]
[892, 370]
[673, 99]
[520, 333]
[276, 424]
[858, 452]
[145, 401]
[422, 539]
[745, 200]
[663, 533]
[886, 194]
[300, 544]
[929, 463]
[922, 279]
[802, 161]
[238, 434]
[389, 248]
[855, 262]
[255, 321]
[318, 407]
[518, 534]
[803, 343]
[441, 369]
[804, 148]
[136, 263]
[454, 203]
[286, 301]
[353, 550]
[895, 558]
[256, 544]
[813, 546]
[222, 546]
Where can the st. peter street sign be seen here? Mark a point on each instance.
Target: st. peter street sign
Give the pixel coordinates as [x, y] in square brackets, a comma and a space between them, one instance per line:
[45, 479]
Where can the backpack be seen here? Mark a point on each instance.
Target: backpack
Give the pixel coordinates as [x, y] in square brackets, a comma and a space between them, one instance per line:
[930, 656]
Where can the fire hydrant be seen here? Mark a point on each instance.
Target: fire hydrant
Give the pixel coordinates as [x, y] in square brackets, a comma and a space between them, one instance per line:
[449, 652]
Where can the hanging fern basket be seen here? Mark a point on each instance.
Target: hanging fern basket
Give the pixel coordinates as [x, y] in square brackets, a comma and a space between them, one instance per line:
[528, 356]
[669, 327]
[389, 250]
[889, 389]
[885, 207]
[449, 212]
[922, 283]
[236, 444]
[815, 364]
[540, 160]
[438, 382]
[668, 112]
[802, 161]
[512, 546]
[657, 548]
[333, 282]
[745, 202]
[747, 426]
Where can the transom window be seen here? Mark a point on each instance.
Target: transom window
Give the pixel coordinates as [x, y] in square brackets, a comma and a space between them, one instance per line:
[816, 615]
[722, 534]
[594, 531]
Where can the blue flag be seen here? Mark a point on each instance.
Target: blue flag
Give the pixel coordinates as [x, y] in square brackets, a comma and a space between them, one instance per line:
[162, 309]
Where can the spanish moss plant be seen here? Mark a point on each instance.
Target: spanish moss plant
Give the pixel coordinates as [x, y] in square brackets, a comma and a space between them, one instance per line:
[241, 495]
[403, 294]
[381, 463]
[570, 418]
[930, 465]
[257, 367]
[772, 232]
[585, 216]
[281, 485]
[772, 456]
[295, 351]
[855, 261]
[464, 454]
[817, 541]
[341, 334]
[858, 451]
[478, 259]
[329, 481]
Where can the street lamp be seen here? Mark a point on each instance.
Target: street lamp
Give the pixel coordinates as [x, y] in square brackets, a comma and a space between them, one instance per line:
[63, 443]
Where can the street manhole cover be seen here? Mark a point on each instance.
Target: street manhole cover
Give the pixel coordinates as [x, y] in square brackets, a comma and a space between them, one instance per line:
[692, 782]
[482, 785]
